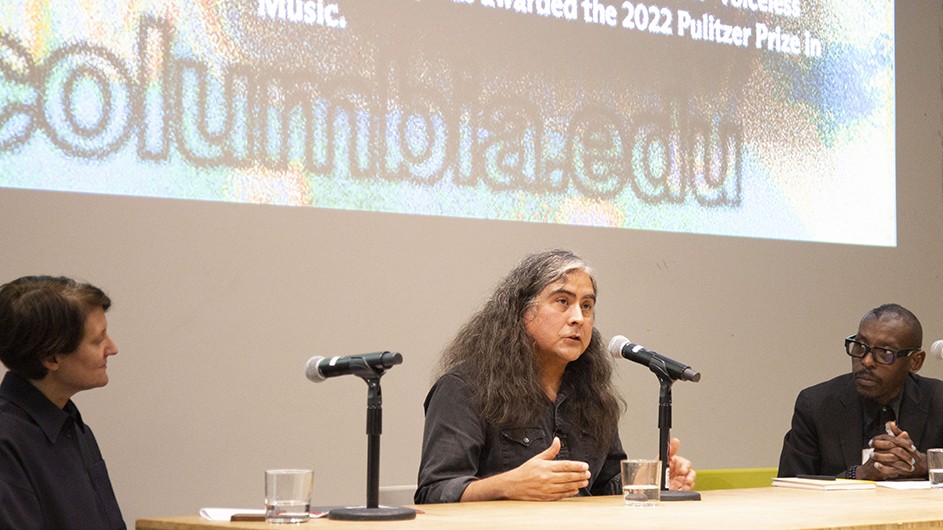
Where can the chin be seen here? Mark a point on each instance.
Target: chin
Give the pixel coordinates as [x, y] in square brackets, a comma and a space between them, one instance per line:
[870, 393]
[573, 357]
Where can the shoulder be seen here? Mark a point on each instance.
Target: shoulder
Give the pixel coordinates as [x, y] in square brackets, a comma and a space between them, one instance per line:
[451, 386]
[20, 440]
[928, 385]
[837, 385]
[455, 379]
[928, 382]
[13, 419]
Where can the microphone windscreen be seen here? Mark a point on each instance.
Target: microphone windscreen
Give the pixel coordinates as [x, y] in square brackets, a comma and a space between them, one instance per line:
[616, 345]
[936, 351]
[311, 369]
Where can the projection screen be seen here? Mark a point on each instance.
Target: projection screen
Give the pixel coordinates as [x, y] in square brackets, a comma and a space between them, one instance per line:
[755, 118]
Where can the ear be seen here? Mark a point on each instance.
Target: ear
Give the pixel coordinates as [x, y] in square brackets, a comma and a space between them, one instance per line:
[529, 314]
[51, 363]
[916, 361]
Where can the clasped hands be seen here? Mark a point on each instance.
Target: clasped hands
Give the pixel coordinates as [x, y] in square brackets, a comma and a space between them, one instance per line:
[894, 456]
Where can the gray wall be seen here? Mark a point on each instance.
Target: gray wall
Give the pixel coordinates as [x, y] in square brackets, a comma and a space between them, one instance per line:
[218, 306]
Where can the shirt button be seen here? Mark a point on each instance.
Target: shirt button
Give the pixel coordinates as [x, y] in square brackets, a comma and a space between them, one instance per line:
[526, 440]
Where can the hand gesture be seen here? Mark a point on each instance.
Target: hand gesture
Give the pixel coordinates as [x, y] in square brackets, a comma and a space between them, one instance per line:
[680, 473]
[539, 479]
[894, 456]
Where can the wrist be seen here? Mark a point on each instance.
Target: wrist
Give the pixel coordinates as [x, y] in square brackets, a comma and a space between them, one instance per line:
[864, 471]
[485, 489]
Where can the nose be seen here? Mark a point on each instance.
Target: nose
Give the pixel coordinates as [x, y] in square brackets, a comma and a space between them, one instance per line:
[576, 314]
[868, 360]
[111, 348]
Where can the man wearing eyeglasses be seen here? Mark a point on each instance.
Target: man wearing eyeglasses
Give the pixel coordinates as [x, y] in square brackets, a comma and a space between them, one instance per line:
[876, 422]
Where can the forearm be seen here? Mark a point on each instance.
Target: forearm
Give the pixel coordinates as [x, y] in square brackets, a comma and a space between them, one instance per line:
[492, 488]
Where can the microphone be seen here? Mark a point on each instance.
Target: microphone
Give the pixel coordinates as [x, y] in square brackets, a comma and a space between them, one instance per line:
[936, 351]
[318, 368]
[620, 346]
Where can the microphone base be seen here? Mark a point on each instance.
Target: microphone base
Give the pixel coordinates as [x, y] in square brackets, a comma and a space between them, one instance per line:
[361, 513]
[675, 495]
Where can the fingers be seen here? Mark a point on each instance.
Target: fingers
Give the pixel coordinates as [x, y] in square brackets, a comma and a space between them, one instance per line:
[551, 452]
[904, 437]
[892, 453]
[673, 447]
[681, 474]
[887, 471]
[563, 470]
[555, 492]
[892, 428]
[559, 472]
[543, 479]
[679, 465]
[896, 466]
[571, 482]
[895, 453]
[893, 462]
[557, 485]
[561, 466]
[885, 442]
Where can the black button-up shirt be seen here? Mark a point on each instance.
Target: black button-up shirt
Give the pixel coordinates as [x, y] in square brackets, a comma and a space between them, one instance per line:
[458, 446]
[52, 475]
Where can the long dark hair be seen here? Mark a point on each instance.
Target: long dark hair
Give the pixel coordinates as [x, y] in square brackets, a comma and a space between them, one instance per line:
[498, 355]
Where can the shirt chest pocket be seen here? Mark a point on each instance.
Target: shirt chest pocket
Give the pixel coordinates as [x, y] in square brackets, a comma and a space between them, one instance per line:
[520, 445]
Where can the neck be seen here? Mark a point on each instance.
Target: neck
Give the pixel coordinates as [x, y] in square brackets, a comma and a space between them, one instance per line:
[53, 392]
[551, 377]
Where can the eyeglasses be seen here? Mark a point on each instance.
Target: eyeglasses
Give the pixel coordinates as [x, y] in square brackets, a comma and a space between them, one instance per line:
[858, 350]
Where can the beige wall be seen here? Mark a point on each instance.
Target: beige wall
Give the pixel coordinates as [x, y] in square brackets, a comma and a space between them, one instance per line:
[218, 306]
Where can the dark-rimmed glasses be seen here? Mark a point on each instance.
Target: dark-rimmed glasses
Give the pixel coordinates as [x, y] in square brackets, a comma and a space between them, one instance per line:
[858, 350]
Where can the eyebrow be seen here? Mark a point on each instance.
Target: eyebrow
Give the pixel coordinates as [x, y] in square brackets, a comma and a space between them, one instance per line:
[883, 346]
[591, 296]
[98, 332]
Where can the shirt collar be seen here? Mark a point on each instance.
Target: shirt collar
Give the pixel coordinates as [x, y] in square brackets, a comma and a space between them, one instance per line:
[50, 418]
[872, 408]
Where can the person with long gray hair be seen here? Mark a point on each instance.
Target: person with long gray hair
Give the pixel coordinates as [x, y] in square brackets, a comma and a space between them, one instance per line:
[524, 407]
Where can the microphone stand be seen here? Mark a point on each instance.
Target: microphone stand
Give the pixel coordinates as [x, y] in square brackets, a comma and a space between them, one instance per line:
[657, 366]
[372, 512]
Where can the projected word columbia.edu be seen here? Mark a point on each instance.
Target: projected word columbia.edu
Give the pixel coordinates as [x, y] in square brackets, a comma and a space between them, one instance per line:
[757, 118]
[343, 128]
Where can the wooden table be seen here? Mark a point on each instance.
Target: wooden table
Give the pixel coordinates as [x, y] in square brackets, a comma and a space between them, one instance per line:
[741, 508]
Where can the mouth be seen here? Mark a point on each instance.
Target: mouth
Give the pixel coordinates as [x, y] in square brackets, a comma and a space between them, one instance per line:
[866, 379]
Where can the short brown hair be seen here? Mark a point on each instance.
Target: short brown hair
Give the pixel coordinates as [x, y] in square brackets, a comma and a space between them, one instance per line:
[41, 316]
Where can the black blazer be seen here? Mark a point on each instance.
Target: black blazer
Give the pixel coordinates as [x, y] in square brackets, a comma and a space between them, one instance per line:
[826, 433]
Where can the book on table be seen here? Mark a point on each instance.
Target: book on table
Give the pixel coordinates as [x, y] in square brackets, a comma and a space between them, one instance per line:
[824, 484]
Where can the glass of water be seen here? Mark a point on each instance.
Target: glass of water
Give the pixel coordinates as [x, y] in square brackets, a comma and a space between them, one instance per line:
[935, 465]
[641, 479]
[288, 495]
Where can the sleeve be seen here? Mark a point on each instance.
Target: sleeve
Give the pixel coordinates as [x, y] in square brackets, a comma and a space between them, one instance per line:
[931, 403]
[800, 454]
[609, 481]
[452, 441]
